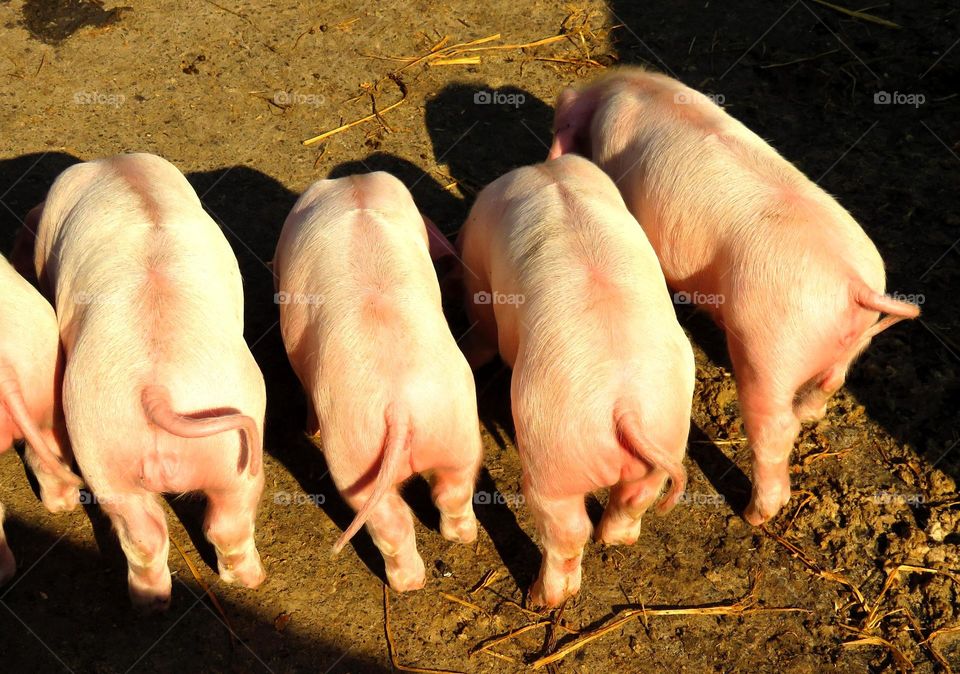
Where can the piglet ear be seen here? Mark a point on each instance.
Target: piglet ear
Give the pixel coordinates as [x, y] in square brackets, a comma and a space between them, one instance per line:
[446, 261]
[571, 122]
[440, 246]
[21, 257]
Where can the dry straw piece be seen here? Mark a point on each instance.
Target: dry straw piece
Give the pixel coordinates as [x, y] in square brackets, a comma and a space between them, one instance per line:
[574, 29]
[487, 579]
[462, 602]
[874, 618]
[374, 115]
[741, 607]
[815, 568]
[858, 15]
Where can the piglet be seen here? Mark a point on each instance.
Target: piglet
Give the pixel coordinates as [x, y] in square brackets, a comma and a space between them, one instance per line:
[30, 373]
[160, 392]
[389, 392]
[563, 283]
[783, 268]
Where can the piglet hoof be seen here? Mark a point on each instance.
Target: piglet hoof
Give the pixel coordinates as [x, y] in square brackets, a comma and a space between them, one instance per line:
[761, 509]
[147, 601]
[617, 537]
[248, 571]
[8, 565]
[553, 590]
[610, 533]
[406, 577]
[459, 529]
[61, 499]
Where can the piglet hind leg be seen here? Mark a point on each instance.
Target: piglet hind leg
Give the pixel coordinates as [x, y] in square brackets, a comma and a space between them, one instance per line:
[564, 529]
[620, 524]
[8, 565]
[229, 525]
[142, 528]
[56, 494]
[453, 495]
[391, 527]
[772, 429]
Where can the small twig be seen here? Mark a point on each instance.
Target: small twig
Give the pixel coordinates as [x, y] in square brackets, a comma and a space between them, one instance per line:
[367, 118]
[740, 607]
[858, 15]
[803, 59]
[487, 579]
[539, 616]
[719, 443]
[871, 621]
[462, 602]
[499, 655]
[898, 655]
[800, 507]
[925, 643]
[815, 568]
[507, 637]
[553, 632]
[810, 458]
[457, 61]
[391, 649]
[206, 588]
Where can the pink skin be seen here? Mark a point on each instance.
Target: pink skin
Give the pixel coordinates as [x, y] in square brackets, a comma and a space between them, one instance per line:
[603, 374]
[388, 390]
[729, 217]
[30, 371]
[158, 378]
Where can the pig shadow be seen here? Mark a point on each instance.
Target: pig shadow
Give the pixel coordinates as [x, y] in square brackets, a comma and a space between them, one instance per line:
[72, 599]
[480, 138]
[480, 133]
[721, 472]
[24, 182]
[516, 549]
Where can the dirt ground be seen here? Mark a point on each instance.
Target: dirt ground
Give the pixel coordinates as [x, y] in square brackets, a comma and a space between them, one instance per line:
[228, 90]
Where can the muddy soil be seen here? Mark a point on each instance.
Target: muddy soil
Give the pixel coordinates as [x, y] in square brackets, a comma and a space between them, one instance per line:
[228, 90]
